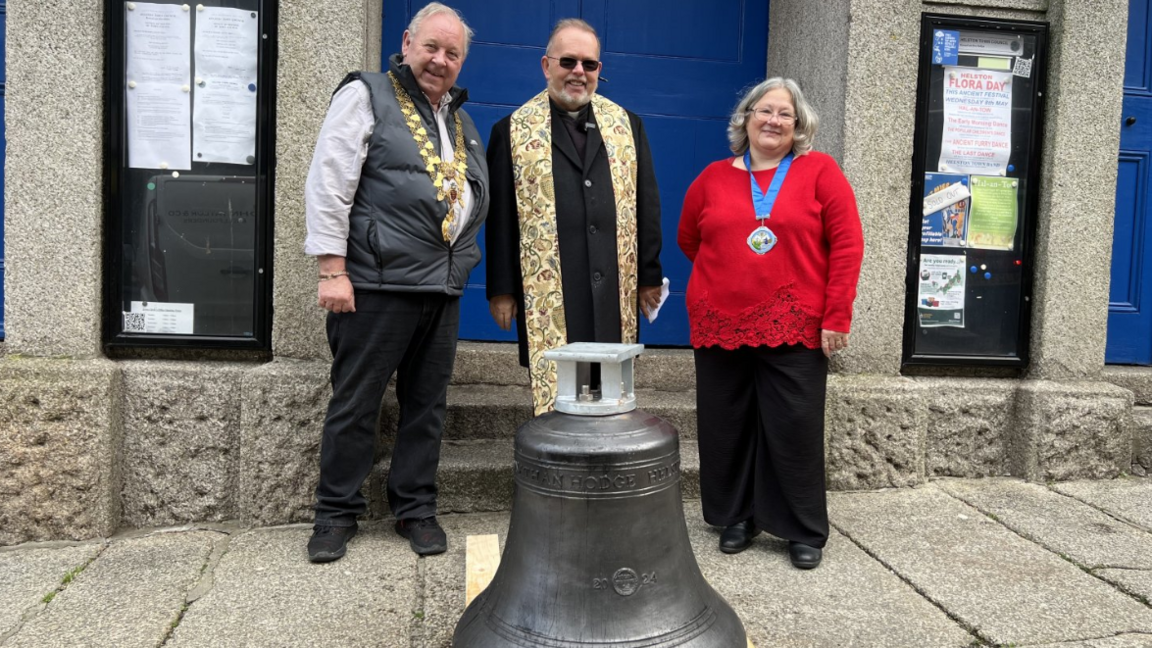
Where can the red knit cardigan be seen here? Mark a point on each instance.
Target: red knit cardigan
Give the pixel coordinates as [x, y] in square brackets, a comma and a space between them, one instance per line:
[786, 296]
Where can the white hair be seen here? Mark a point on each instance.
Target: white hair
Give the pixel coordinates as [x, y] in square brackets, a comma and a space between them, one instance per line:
[436, 8]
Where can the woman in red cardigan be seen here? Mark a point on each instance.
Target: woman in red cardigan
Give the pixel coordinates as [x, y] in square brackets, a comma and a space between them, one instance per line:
[776, 245]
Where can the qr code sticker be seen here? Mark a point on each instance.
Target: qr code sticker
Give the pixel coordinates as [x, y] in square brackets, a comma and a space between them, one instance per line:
[134, 323]
[1023, 67]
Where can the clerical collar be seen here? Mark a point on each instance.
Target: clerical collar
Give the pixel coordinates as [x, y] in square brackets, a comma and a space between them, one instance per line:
[577, 116]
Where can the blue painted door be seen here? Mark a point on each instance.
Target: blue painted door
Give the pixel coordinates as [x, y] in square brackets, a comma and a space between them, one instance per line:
[3, 146]
[679, 64]
[1130, 297]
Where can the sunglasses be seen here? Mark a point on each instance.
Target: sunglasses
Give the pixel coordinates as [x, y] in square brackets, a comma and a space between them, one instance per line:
[569, 63]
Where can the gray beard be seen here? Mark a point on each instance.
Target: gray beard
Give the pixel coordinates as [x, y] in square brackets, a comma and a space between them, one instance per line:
[569, 100]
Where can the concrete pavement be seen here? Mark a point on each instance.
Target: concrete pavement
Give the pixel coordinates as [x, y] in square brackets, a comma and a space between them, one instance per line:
[954, 563]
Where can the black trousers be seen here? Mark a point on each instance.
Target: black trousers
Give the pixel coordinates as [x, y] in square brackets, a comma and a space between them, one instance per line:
[760, 417]
[415, 334]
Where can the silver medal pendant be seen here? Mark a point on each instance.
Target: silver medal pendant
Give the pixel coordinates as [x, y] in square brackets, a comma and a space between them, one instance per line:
[761, 240]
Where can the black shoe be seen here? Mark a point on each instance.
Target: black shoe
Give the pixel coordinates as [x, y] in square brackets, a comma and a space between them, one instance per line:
[738, 537]
[425, 536]
[329, 543]
[804, 556]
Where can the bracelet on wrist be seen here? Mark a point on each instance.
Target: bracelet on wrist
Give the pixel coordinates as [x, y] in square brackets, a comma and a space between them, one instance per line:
[333, 275]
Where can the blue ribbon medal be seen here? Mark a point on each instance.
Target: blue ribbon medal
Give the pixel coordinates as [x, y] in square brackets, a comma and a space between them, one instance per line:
[761, 240]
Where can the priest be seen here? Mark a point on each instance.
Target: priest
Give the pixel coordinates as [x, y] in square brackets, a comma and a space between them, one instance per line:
[573, 232]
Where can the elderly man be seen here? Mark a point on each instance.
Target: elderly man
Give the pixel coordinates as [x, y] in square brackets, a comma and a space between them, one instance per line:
[573, 243]
[395, 196]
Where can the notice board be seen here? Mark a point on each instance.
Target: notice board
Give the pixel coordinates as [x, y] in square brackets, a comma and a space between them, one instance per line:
[974, 191]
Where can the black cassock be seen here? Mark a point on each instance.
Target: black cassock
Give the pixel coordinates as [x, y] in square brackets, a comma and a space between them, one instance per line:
[586, 226]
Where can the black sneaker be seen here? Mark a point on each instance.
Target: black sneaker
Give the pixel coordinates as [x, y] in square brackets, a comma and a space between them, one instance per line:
[425, 536]
[329, 543]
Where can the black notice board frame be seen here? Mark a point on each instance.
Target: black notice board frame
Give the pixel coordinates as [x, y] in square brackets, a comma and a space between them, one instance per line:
[115, 183]
[1031, 150]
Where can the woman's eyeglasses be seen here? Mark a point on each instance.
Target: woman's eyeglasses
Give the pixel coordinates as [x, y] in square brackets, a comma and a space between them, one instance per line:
[569, 63]
[766, 115]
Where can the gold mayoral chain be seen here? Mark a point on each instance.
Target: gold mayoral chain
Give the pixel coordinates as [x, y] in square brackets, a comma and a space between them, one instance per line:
[443, 174]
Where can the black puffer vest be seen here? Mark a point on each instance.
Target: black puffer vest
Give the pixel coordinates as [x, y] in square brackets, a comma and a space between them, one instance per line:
[395, 241]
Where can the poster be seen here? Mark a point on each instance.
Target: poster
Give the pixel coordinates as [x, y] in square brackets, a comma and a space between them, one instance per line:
[945, 45]
[224, 115]
[159, 317]
[992, 217]
[157, 77]
[977, 135]
[945, 210]
[940, 299]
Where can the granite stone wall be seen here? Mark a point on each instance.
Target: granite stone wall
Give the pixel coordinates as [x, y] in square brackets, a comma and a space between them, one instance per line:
[89, 444]
[54, 178]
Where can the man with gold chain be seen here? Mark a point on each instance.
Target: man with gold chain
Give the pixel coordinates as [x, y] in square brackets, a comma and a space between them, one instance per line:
[573, 238]
[396, 194]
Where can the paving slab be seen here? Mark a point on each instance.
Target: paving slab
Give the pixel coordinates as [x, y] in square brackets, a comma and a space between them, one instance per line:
[266, 594]
[1005, 588]
[850, 600]
[1061, 523]
[1129, 498]
[128, 597]
[444, 577]
[1121, 641]
[1137, 582]
[28, 574]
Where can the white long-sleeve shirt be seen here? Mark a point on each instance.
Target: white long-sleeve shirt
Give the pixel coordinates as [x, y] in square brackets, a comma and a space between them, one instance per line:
[337, 162]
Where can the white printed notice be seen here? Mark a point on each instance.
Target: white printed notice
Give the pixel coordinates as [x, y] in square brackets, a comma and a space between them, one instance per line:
[159, 317]
[940, 300]
[224, 115]
[157, 75]
[977, 121]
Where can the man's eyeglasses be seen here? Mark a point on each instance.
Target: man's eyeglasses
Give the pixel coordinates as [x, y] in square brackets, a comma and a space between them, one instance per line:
[569, 63]
[767, 115]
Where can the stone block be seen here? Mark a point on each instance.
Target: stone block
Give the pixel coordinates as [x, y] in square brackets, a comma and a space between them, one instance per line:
[55, 164]
[474, 412]
[666, 370]
[968, 426]
[181, 441]
[1071, 430]
[474, 477]
[498, 363]
[284, 404]
[875, 432]
[488, 363]
[1077, 205]
[319, 43]
[1142, 441]
[878, 134]
[1138, 380]
[59, 449]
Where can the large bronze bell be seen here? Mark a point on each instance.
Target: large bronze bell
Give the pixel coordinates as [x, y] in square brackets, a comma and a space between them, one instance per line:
[597, 553]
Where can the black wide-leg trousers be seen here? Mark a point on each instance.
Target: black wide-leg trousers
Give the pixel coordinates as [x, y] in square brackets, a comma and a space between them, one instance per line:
[760, 427]
[415, 335]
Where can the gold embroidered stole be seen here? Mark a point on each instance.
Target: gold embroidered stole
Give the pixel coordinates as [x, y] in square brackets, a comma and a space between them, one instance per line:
[531, 142]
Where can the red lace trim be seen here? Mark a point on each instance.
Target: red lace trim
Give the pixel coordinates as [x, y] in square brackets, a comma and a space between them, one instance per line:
[775, 322]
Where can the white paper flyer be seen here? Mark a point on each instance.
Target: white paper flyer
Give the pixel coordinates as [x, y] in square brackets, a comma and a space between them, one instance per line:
[977, 121]
[157, 77]
[940, 299]
[224, 116]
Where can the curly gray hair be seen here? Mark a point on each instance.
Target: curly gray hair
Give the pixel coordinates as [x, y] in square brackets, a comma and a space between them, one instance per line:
[806, 119]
